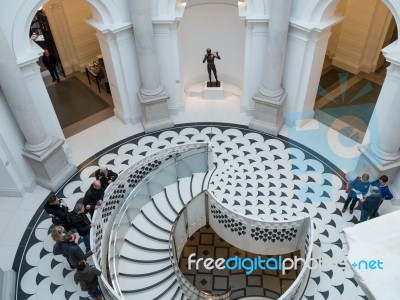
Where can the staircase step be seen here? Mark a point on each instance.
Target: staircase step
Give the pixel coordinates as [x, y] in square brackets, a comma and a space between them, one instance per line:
[153, 215]
[161, 202]
[208, 176]
[146, 287]
[145, 226]
[138, 238]
[197, 183]
[185, 189]
[128, 268]
[172, 193]
[131, 252]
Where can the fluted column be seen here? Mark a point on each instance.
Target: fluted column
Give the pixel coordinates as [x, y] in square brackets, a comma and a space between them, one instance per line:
[382, 155]
[270, 96]
[39, 146]
[152, 94]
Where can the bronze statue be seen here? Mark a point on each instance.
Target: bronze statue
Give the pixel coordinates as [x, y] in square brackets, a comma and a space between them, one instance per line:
[209, 57]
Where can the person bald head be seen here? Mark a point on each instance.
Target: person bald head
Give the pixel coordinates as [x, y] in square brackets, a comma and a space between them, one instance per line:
[96, 184]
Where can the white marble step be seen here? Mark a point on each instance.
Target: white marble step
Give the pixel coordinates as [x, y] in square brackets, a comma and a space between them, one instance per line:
[207, 180]
[173, 196]
[197, 183]
[135, 268]
[151, 212]
[138, 238]
[184, 189]
[133, 252]
[144, 225]
[172, 293]
[160, 200]
[147, 287]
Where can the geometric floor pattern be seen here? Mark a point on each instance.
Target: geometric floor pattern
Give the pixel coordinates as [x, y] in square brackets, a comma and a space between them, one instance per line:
[205, 243]
[257, 175]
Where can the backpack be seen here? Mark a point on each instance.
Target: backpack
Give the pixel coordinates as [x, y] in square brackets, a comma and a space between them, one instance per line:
[348, 184]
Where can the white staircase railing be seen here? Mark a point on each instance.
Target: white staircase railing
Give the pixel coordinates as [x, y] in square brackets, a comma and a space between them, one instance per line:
[139, 182]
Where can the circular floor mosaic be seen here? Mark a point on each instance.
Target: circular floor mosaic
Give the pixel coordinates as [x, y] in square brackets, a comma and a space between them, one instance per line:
[257, 174]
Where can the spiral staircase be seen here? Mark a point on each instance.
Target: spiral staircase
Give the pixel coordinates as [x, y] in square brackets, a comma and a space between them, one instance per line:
[143, 224]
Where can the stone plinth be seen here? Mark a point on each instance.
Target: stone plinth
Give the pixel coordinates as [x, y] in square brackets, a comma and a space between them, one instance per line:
[212, 91]
[155, 112]
[51, 166]
[268, 115]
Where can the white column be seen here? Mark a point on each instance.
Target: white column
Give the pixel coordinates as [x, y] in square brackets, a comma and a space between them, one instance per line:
[305, 55]
[270, 96]
[382, 155]
[167, 51]
[276, 48]
[385, 139]
[122, 71]
[152, 94]
[44, 152]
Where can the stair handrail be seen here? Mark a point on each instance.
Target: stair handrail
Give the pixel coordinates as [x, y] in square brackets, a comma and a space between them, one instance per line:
[124, 186]
[188, 288]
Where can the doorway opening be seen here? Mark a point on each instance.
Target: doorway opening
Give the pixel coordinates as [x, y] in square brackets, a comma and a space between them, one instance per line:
[78, 86]
[354, 68]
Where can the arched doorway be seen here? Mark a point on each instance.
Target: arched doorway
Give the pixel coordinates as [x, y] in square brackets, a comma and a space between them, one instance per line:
[354, 68]
[122, 75]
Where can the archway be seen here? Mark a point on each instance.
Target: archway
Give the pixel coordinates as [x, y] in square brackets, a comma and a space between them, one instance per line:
[28, 52]
[354, 68]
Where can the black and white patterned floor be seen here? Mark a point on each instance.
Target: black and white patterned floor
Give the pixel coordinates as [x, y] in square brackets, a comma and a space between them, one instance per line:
[257, 174]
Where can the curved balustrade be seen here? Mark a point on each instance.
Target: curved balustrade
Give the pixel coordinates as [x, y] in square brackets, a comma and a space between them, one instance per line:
[135, 188]
[255, 235]
[185, 158]
[190, 219]
[241, 232]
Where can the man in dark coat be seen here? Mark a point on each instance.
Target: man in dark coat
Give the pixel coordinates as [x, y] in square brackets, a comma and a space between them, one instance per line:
[93, 197]
[81, 222]
[370, 203]
[50, 63]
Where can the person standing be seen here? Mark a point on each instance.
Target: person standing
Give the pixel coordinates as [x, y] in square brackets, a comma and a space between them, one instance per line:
[87, 277]
[382, 183]
[370, 203]
[58, 210]
[105, 176]
[93, 197]
[81, 222]
[50, 63]
[357, 189]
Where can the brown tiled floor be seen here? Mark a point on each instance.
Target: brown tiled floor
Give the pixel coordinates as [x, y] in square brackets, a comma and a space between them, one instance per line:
[207, 244]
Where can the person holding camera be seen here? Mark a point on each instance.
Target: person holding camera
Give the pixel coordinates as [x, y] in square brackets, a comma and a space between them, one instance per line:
[57, 208]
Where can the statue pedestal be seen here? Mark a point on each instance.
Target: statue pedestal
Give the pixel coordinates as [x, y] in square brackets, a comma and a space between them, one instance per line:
[213, 91]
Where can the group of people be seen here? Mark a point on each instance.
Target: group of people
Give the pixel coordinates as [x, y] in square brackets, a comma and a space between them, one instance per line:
[70, 224]
[369, 194]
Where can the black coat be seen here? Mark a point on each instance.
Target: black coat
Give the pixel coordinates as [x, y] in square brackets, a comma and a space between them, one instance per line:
[104, 180]
[49, 62]
[81, 223]
[92, 196]
[73, 253]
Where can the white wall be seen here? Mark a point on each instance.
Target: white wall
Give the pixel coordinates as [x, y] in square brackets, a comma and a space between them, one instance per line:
[15, 172]
[215, 26]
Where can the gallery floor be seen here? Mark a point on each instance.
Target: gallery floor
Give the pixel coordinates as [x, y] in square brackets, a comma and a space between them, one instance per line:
[321, 155]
